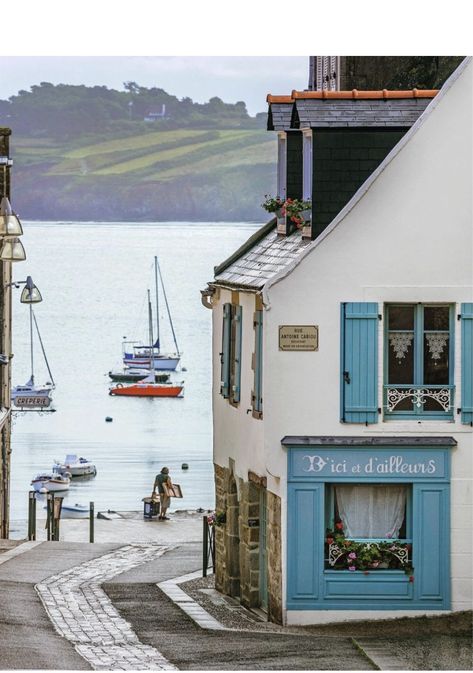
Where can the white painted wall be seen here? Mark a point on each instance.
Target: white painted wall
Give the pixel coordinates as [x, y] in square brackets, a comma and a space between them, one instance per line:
[408, 239]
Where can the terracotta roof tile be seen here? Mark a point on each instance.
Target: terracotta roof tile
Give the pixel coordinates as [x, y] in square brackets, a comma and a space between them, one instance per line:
[357, 94]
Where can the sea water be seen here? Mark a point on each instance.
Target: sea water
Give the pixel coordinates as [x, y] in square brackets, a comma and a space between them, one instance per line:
[93, 278]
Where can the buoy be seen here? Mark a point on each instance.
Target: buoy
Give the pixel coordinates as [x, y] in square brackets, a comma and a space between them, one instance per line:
[185, 466]
[108, 419]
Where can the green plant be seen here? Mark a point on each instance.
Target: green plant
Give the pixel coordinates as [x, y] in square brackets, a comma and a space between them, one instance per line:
[366, 556]
[293, 209]
[272, 203]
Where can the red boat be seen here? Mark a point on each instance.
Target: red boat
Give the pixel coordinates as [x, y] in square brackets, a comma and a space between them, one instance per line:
[148, 389]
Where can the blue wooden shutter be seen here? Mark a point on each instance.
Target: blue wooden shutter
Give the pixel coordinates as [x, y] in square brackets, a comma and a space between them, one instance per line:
[467, 363]
[258, 362]
[359, 362]
[225, 354]
[431, 551]
[305, 542]
[236, 355]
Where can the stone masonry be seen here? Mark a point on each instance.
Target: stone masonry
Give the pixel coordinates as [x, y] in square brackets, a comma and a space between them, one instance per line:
[237, 571]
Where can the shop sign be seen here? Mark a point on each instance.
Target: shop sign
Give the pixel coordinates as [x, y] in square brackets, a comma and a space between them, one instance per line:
[298, 338]
[356, 465]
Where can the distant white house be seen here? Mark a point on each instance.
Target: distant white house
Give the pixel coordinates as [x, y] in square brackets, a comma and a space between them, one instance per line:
[155, 114]
[342, 366]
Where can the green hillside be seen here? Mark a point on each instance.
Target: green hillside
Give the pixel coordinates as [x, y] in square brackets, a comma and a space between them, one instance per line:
[80, 155]
[185, 174]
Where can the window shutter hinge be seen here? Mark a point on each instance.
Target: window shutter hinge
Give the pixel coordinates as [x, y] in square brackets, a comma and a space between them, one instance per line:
[379, 410]
[380, 317]
[459, 316]
[459, 410]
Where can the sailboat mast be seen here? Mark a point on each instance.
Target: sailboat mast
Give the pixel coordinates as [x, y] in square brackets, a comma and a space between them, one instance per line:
[151, 350]
[157, 301]
[31, 344]
[168, 309]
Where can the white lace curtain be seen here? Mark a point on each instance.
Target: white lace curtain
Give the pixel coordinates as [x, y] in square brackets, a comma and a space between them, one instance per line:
[371, 511]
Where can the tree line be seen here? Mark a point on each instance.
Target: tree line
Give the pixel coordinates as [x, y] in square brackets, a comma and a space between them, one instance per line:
[63, 111]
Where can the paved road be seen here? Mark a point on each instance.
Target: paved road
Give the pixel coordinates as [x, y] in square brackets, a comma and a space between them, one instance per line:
[80, 606]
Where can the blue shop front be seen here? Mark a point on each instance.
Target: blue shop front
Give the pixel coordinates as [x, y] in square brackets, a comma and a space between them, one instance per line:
[368, 523]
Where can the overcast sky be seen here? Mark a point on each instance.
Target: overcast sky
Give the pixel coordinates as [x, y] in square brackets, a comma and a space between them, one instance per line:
[87, 42]
[232, 78]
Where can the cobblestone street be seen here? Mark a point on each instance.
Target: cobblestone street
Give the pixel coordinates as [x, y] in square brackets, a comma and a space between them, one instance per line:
[83, 614]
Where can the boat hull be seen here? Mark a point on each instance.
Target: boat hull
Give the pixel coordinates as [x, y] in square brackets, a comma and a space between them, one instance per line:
[148, 390]
[136, 375]
[160, 363]
[50, 485]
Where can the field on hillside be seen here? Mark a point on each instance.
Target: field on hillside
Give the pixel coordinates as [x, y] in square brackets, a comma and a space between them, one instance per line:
[233, 168]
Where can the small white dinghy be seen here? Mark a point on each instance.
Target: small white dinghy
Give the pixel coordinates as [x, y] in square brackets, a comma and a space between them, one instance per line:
[75, 466]
[76, 511]
[50, 482]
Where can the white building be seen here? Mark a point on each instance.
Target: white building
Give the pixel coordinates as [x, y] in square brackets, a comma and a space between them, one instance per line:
[342, 366]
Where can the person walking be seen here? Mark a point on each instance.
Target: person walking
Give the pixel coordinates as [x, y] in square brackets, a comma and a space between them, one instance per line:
[165, 500]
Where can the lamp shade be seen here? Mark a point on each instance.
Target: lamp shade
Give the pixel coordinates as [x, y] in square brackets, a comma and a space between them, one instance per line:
[12, 250]
[30, 295]
[10, 225]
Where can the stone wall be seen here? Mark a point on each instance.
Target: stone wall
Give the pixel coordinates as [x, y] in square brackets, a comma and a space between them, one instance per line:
[274, 558]
[237, 551]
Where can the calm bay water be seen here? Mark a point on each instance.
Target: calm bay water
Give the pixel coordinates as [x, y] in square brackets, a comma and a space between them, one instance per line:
[93, 278]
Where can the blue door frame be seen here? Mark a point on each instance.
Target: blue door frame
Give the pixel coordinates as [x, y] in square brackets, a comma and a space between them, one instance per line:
[312, 587]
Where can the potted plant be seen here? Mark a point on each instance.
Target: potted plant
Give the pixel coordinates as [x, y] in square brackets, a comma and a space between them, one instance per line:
[299, 212]
[274, 204]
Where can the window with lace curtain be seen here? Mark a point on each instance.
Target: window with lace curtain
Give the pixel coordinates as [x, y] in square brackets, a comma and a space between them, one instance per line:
[368, 526]
[419, 361]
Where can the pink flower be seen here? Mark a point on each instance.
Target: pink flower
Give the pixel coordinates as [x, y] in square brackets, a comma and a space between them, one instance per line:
[352, 555]
[352, 568]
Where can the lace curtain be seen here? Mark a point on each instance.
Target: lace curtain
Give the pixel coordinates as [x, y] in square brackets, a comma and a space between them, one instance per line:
[371, 511]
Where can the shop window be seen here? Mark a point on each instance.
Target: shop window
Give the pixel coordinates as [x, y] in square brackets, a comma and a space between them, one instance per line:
[368, 527]
[419, 361]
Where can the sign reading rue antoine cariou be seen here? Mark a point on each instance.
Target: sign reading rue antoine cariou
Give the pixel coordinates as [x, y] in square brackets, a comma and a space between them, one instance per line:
[298, 338]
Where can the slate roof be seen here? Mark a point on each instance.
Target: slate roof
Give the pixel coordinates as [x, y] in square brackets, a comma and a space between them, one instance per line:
[280, 115]
[260, 258]
[312, 109]
[356, 113]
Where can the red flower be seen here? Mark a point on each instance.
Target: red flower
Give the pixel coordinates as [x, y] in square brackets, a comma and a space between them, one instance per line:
[330, 540]
[411, 578]
[339, 525]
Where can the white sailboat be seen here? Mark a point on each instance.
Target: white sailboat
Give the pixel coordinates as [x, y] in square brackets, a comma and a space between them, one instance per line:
[31, 396]
[140, 355]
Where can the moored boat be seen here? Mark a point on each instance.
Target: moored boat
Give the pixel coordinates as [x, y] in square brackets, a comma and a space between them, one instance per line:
[75, 466]
[51, 482]
[151, 355]
[31, 396]
[149, 389]
[148, 386]
[131, 375]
